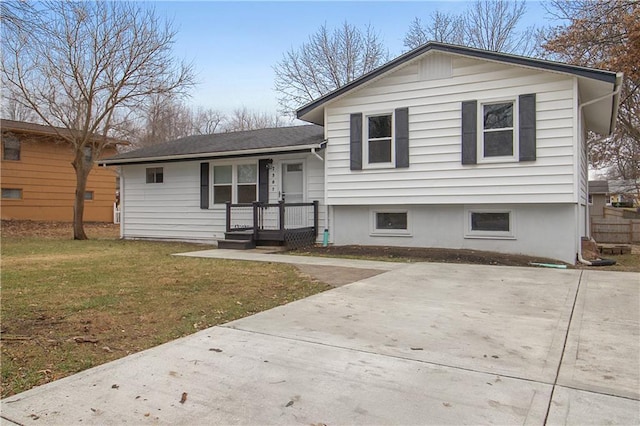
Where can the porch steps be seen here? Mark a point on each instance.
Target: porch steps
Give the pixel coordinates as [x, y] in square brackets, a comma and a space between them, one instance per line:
[237, 240]
[236, 244]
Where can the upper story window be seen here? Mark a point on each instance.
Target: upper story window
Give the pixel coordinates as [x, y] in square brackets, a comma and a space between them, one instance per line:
[10, 148]
[379, 147]
[235, 183]
[88, 195]
[497, 139]
[155, 175]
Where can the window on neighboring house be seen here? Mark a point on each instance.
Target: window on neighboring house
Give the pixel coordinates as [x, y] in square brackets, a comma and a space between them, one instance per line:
[155, 175]
[222, 184]
[483, 223]
[390, 222]
[235, 183]
[498, 130]
[88, 195]
[379, 139]
[10, 148]
[11, 193]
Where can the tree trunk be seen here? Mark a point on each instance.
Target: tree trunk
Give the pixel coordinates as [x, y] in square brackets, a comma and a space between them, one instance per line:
[82, 173]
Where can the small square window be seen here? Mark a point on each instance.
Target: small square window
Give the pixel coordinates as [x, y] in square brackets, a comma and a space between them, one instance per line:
[10, 148]
[484, 223]
[379, 139]
[498, 130]
[11, 193]
[88, 195]
[155, 175]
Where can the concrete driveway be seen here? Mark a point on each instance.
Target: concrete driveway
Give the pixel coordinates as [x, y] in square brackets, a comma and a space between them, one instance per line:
[417, 344]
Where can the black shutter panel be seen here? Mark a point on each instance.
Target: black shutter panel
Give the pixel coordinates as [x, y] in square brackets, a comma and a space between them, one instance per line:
[527, 117]
[204, 185]
[356, 142]
[469, 132]
[263, 180]
[402, 137]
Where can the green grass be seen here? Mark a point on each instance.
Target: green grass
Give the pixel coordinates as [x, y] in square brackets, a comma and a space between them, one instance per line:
[129, 295]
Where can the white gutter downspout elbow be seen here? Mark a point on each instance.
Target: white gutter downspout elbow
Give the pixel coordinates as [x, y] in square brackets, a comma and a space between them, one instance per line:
[314, 152]
[616, 92]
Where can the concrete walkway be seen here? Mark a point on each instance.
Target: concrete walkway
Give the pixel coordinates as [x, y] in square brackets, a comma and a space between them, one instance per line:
[417, 344]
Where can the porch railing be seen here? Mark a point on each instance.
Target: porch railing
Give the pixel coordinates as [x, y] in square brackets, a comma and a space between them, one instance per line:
[272, 217]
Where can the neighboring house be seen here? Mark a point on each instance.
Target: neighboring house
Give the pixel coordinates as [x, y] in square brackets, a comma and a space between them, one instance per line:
[598, 197]
[38, 180]
[444, 146]
[624, 193]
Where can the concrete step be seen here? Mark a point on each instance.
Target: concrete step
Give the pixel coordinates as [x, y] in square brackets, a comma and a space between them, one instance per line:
[236, 244]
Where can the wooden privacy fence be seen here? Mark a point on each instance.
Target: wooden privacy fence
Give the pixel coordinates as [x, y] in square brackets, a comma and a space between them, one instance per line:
[615, 230]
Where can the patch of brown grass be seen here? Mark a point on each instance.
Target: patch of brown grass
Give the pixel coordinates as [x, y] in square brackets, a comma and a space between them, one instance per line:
[70, 305]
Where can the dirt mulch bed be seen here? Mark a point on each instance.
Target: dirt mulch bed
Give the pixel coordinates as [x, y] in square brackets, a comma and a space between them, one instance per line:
[30, 228]
[421, 254]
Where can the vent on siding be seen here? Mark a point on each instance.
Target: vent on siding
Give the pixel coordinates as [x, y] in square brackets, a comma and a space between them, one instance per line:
[435, 66]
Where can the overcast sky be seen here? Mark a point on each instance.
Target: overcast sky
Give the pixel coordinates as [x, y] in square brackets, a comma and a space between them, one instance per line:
[234, 45]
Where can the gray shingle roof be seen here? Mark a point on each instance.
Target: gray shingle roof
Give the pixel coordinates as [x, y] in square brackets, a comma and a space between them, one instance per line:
[226, 144]
[598, 187]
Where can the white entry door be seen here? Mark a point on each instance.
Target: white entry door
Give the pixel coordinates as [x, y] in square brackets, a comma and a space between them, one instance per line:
[293, 182]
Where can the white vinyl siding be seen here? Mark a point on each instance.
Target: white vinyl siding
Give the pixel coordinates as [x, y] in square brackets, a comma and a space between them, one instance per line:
[436, 175]
[172, 210]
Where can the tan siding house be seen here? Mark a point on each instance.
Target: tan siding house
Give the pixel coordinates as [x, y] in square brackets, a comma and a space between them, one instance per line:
[38, 180]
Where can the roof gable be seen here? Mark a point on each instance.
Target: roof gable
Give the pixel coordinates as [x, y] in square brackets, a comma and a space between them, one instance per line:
[313, 111]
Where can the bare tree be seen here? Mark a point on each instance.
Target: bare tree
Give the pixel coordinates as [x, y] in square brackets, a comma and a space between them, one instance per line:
[84, 66]
[245, 119]
[605, 34]
[328, 60]
[484, 24]
[164, 118]
[207, 121]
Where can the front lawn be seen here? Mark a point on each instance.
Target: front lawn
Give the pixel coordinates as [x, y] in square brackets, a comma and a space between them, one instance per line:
[71, 305]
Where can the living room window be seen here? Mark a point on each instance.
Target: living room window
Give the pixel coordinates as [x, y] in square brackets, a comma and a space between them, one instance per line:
[236, 183]
[379, 147]
[155, 175]
[498, 131]
[10, 148]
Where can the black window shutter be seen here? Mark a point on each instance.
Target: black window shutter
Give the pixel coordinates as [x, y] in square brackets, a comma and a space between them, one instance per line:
[356, 142]
[402, 137]
[469, 132]
[204, 185]
[263, 180]
[527, 130]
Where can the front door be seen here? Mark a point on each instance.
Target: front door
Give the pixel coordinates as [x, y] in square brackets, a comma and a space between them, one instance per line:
[292, 183]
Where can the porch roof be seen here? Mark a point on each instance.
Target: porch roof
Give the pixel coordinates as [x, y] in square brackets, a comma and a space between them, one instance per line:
[233, 144]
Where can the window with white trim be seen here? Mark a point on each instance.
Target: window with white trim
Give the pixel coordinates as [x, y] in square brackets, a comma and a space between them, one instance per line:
[379, 148]
[235, 183]
[390, 222]
[498, 131]
[490, 223]
[155, 175]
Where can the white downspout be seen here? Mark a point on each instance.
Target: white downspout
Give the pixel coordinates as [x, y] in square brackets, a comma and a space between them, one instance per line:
[314, 152]
[618, 87]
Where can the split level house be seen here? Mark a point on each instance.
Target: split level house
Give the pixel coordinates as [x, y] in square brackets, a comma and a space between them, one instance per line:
[444, 146]
[39, 182]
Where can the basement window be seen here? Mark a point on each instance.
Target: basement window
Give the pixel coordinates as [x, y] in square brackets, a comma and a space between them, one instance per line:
[390, 223]
[487, 223]
[155, 175]
[11, 194]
